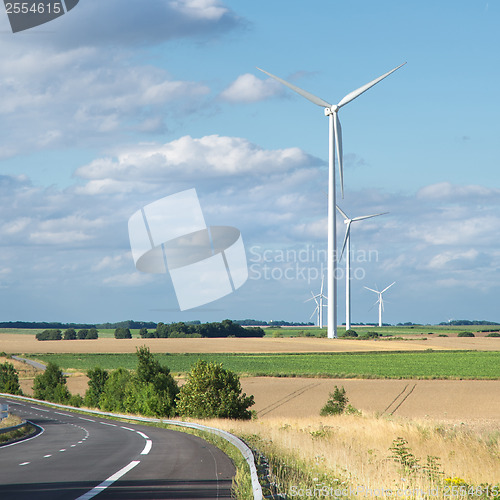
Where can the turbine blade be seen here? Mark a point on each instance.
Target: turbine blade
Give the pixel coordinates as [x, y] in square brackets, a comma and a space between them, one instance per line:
[367, 216]
[321, 291]
[382, 303]
[347, 232]
[342, 212]
[387, 288]
[340, 157]
[356, 93]
[310, 97]
[372, 290]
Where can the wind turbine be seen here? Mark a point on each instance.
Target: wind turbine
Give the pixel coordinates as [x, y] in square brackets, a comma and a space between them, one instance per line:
[380, 301]
[335, 135]
[319, 304]
[347, 246]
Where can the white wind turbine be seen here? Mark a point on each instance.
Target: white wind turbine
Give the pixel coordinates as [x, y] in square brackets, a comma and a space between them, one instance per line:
[335, 135]
[347, 246]
[380, 301]
[319, 304]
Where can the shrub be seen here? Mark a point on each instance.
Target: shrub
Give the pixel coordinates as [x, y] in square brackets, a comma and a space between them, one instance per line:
[369, 335]
[9, 379]
[336, 403]
[350, 334]
[213, 392]
[493, 334]
[465, 334]
[51, 385]
[122, 333]
[97, 380]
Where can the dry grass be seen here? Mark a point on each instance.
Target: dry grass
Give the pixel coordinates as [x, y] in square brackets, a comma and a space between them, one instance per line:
[356, 449]
[10, 421]
[12, 344]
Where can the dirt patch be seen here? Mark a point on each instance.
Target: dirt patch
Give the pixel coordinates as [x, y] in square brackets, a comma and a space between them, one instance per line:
[18, 344]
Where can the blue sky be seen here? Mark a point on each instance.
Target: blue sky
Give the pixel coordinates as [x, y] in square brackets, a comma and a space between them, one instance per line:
[111, 107]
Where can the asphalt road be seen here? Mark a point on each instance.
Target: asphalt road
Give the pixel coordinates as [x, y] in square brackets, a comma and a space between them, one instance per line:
[79, 457]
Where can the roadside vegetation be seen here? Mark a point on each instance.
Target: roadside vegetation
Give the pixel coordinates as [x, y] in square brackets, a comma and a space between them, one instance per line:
[367, 453]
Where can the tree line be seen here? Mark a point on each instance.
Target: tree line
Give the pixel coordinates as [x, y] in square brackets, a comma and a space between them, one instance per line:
[210, 391]
[69, 334]
[226, 328]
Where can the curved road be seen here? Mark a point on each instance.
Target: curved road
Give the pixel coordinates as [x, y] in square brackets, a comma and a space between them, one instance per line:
[79, 457]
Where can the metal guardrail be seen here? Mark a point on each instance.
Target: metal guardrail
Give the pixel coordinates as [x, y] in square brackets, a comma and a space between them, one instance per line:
[4, 430]
[231, 438]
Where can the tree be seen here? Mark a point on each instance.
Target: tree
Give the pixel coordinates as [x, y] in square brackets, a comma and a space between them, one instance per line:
[97, 381]
[9, 379]
[92, 334]
[122, 333]
[336, 403]
[49, 335]
[51, 385]
[82, 334]
[213, 392]
[69, 334]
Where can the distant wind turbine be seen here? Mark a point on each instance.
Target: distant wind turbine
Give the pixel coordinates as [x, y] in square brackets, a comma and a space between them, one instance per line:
[319, 304]
[380, 301]
[347, 246]
[335, 135]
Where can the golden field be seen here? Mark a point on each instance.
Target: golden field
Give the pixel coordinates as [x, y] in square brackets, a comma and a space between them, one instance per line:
[14, 344]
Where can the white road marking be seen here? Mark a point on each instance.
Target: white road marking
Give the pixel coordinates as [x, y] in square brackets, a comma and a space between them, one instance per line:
[148, 447]
[142, 434]
[128, 428]
[64, 414]
[87, 419]
[73, 445]
[47, 456]
[38, 409]
[25, 463]
[108, 482]
[64, 449]
[111, 425]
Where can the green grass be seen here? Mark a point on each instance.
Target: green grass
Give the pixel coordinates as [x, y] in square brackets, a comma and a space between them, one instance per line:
[385, 330]
[424, 365]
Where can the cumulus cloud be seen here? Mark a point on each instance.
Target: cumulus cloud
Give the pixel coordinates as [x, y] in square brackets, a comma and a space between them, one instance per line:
[249, 88]
[186, 158]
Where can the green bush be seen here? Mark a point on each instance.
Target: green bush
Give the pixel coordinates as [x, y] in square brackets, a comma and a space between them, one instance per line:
[9, 379]
[69, 334]
[122, 333]
[49, 335]
[92, 334]
[336, 404]
[150, 391]
[465, 334]
[350, 334]
[213, 392]
[51, 385]
[493, 334]
[369, 335]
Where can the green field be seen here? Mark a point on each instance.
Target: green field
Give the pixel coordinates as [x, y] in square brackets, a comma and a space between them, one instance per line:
[296, 331]
[395, 365]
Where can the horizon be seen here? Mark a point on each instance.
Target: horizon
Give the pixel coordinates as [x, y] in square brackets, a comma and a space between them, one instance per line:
[101, 119]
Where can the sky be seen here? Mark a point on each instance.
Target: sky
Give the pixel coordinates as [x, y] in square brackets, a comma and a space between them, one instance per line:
[116, 105]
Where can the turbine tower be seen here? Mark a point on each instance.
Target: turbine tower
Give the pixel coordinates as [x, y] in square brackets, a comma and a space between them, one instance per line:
[335, 135]
[319, 304]
[347, 246]
[380, 301]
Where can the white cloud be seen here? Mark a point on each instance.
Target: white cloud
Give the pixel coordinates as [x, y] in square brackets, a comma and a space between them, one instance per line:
[249, 88]
[192, 158]
[128, 280]
[446, 191]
